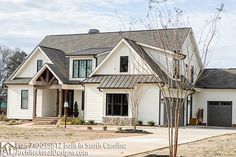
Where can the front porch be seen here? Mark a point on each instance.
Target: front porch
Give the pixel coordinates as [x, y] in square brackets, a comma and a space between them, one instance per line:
[49, 97]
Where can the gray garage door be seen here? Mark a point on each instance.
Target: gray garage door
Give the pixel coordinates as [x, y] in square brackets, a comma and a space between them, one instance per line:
[219, 113]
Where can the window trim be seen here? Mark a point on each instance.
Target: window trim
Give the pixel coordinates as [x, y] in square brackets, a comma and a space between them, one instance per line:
[38, 61]
[121, 106]
[121, 70]
[86, 69]
[27, 99]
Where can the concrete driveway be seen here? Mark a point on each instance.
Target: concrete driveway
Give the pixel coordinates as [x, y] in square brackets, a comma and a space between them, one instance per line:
[132, 145]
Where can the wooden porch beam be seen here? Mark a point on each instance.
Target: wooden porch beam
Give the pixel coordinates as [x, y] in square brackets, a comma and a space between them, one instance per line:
[34, 102]
[52, 79]
[60, 103]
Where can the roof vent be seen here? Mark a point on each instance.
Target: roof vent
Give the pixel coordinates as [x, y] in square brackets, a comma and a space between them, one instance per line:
[93, 31]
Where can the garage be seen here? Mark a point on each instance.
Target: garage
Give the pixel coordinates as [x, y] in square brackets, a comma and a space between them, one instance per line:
[219, 113]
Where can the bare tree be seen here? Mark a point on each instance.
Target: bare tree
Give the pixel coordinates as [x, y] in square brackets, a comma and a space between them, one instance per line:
[135, 96]
[177, 69]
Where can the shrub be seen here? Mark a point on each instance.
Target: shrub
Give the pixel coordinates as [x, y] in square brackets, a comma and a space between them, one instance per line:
[76, 110]
[119, 128]
[140, 122]
[3, 117]
[151, 123]
[77, 121]
[91, 122]
[104, 128]
[89, 128]
[14, 122]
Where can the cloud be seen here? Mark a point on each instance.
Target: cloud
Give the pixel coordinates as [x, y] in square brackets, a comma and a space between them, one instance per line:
[23, 23]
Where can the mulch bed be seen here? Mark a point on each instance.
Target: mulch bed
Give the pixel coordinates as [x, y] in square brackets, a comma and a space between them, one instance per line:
[133, 131]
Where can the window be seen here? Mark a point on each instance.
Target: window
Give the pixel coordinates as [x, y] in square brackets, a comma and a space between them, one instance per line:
[192, 74]
[82, 68]
[24, 99]
[124, 63]
[82, 101]
[176, 69]
[39, 64]
[117, 105]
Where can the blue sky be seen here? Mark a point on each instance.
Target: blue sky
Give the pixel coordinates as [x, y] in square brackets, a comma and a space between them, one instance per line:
[24, 23]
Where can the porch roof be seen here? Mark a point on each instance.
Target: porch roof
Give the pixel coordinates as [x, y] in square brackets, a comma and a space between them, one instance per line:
[18, 81]
[119, 81]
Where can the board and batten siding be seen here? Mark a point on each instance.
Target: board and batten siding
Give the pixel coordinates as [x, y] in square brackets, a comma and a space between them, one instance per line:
[93, 104]
[29, 68]
[14, 110]
[149, 104]
[200, 100]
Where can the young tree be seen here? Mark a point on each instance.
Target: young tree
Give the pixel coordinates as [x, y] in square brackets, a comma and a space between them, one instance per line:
[9, 61]
[135, 96]
[180, 73]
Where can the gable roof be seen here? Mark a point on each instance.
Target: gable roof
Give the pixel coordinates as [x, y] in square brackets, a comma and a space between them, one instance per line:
[162, 38]
[217, 79]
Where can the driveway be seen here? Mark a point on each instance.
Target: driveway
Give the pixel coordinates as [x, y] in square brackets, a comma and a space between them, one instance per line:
[132, 145]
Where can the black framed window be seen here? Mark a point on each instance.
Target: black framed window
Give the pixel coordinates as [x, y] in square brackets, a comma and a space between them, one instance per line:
[176, 69]
[39, 64]
[24, 99]
[192, 74]
[124, 63]
[82, 68]
[117, 104]
[82, 101]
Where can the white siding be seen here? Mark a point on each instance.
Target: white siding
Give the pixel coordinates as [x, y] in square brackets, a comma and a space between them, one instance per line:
[49, 103]
[149, 104]
[112, 65]
[14, 102]
[93, 103]
[29, 69]
[200, 100]
[191, 58]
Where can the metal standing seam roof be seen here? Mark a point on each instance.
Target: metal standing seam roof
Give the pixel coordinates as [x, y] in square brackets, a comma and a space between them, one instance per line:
[119, 81]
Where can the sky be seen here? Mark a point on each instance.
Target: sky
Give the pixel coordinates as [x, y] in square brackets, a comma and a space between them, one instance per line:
[24, 23]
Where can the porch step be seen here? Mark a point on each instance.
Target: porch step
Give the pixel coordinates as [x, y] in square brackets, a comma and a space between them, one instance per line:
[45, 120]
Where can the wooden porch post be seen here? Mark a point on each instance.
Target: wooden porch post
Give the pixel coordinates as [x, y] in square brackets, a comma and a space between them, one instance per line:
[60, 103]
[34, 101]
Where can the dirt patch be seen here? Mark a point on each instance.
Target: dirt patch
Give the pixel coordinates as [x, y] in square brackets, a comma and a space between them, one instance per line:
[221, 146]
[49, 133]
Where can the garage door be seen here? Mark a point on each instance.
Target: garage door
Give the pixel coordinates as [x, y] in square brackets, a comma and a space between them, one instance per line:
[219, 113]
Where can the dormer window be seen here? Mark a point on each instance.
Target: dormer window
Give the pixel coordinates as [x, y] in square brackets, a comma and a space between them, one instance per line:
[39, 64]
[82, 68]
[124, 63]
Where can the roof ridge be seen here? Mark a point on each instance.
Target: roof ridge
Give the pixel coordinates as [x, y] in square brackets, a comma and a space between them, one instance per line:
[141, 30]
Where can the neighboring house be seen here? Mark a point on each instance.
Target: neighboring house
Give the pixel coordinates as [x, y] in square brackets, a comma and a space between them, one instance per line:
[99, 70]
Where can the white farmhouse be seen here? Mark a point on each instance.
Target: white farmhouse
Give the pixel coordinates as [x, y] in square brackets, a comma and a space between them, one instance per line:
[98, 70]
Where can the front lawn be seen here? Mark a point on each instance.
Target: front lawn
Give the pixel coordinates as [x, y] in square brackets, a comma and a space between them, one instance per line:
[52, 133]
[220, 146]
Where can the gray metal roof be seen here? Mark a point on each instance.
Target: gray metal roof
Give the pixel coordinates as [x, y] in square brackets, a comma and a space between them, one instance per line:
[162, 38]
[90, 51]
[217, 79]
[119, 81]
